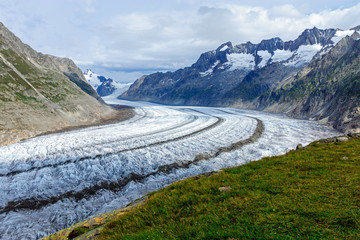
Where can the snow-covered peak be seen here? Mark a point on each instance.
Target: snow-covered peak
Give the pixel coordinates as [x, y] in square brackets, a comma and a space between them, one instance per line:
[105, 86]
[92, 78]
[340, 34]
[296, 53]
[88, 73]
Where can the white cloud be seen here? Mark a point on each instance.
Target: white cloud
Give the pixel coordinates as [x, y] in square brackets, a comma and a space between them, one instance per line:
[89, 6]
[284, 11]
[104, 34]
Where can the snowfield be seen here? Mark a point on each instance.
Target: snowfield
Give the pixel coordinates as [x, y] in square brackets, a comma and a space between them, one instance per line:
[50, 182]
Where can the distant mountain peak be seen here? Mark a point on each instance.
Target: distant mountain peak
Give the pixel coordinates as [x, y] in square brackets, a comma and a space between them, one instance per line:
[224, 46]
[249, 56]
[104, 86]
[88, 71]
[88, 74]
[219, 70]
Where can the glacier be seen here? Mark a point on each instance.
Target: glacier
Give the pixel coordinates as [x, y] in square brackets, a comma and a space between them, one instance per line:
[240, 61]
[50, 182]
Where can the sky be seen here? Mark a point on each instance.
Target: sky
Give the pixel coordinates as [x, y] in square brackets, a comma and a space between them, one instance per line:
[125, 39]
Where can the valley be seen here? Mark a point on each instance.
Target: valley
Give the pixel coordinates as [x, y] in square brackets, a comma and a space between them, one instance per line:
[77, 144]
[51, 182]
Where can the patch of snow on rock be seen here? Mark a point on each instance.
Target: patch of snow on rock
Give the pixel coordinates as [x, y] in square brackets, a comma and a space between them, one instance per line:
[210, 70]
[92, 79]
[265, 56]
[304, 54]
[340, 34]
[240, 61]
[224, 48]
[281, 55]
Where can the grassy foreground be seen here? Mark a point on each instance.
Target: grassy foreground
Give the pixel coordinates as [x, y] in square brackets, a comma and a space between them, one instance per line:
[312, 193]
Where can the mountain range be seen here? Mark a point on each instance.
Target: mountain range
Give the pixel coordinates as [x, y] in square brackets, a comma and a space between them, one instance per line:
[42, 93]
[105, 86]
[315, 76]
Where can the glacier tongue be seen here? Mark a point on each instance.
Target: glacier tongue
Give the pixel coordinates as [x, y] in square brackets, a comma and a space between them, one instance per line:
[50, 182]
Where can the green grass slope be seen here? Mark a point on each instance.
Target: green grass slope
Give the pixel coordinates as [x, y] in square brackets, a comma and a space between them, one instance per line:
[311, 193]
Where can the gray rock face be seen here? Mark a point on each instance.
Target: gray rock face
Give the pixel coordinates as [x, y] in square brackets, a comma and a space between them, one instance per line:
[106, 87]
[326, 90]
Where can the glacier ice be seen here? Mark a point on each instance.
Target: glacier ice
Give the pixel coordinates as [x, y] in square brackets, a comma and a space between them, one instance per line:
[124, 161]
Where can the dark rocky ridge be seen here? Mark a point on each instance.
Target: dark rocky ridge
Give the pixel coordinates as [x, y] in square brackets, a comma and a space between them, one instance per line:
[107, 87]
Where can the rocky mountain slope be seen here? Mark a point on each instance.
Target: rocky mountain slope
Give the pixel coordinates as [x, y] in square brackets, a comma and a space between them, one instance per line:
[328, 89]
[105, 86]
[253, 75]
[41, 93]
